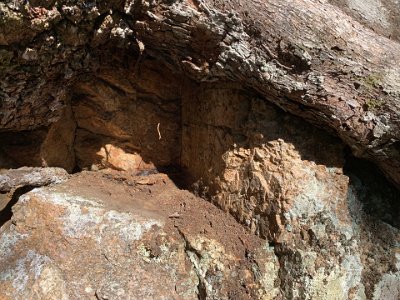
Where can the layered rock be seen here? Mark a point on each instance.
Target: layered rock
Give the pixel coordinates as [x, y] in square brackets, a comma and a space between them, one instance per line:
[321, 209]
[126, 120]
[319, 64]
[16, 182]
[289, 183]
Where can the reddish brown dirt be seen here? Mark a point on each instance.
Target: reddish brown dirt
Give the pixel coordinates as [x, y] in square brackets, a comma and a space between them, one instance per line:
[157, 195]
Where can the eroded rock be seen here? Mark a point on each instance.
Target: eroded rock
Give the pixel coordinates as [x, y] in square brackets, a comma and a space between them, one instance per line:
[135, 86]
[334, 223]
[16, 182]
[35, 177]
[111, 235]
[319, 64]
[113, 239]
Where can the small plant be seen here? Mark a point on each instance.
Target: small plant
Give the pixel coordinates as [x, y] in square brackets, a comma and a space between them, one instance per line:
[374, 104]
[373, 80]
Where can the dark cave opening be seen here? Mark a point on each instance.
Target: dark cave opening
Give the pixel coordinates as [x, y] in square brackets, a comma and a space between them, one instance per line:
[379, 197]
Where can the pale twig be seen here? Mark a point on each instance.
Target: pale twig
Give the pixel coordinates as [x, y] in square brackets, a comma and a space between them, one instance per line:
[158, 130]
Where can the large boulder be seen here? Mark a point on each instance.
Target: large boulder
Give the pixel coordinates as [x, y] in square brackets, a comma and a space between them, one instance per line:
[109, 237]
[112, 235]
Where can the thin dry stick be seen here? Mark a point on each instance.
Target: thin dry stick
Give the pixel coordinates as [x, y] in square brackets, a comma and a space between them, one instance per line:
[158, 130]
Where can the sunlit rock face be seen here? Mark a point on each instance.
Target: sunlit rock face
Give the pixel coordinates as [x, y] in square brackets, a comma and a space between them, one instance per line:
[381, 16]
[294, 185]
[304, 219]
[328, 223]
[94, 236]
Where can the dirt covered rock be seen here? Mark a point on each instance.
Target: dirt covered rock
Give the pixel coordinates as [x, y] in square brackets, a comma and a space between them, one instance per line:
[114, 236]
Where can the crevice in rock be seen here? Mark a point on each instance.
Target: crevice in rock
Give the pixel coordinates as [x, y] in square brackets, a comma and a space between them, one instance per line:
[380, 199]
[6, 212]
[222, 141]
[179, 88]
[21, 148]
[376, 215]
[284, 180]
[201, 288]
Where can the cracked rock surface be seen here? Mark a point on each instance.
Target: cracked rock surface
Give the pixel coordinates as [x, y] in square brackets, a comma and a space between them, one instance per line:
[259, 106]
[320, 63]
[124, 237]
[113, 235]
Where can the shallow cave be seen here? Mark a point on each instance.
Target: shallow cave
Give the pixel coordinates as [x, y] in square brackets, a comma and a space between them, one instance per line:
[285, 180]
[219, 139]
[148, 108]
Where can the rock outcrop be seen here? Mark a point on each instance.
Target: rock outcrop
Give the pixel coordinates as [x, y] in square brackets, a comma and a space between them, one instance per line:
[111, 235]
[318, 63]
[118, 119]
[16, 182]
[107, 236]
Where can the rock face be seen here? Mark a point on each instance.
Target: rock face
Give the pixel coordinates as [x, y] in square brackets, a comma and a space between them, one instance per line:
[14, 183]
[128, 121]
[322, 211]
[129, 238]
[316, 223]
[319, 64]
[379, 15]
[121, 92]
[111, 235]
[33, 177]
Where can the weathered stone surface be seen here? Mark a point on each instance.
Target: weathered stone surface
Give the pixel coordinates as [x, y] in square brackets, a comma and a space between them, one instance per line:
[35, 177]
[57, 148]
[318, 63]
[111, 235]
[45, 147]
[117, 237]
[381, 16]
[128, 121]
[15, 182]
[325, 224]
[327, 216]
[138, 86]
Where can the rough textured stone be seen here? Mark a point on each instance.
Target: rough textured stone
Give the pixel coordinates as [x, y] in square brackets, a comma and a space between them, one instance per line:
[16, 182]
[112, 235]
[45, 147]
[138, 87]
[115, 240]
[319, 63]
[11, 179]
[128, 121]
[382, 16]
[330, 229]
[323, 211]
